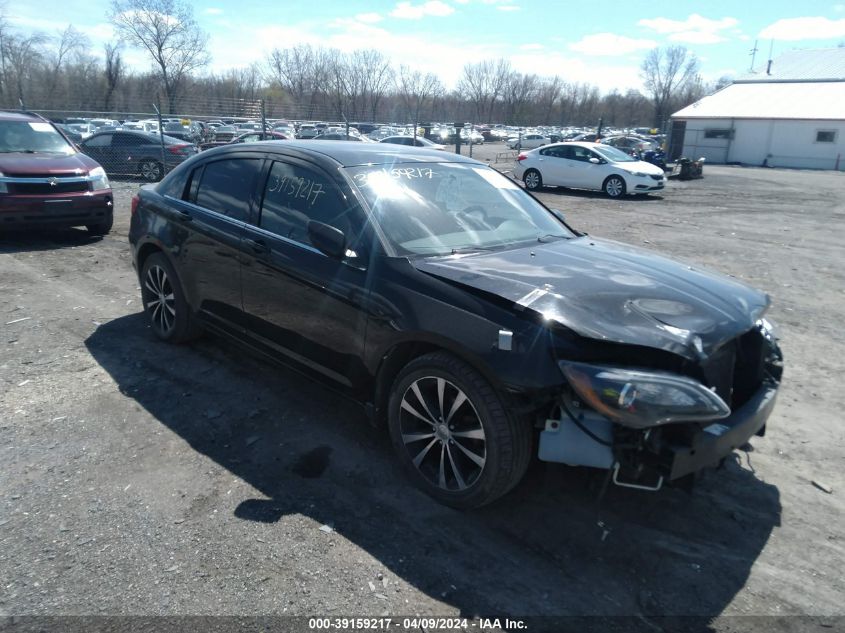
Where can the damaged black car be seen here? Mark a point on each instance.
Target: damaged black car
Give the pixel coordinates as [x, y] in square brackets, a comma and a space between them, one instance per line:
[471, 321]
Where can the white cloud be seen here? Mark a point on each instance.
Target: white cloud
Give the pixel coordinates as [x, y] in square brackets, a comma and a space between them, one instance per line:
[807, 28]
[695, 29]
[531, 47]
[369, 18]
[213, 11]
[609, 44]
[606, 77]
[409, 11]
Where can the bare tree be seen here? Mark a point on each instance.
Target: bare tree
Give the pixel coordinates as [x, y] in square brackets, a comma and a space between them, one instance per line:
[666, 73]
[66, 43]
[378, 77]
[517, 92]
[415, 89]
[166, 29]
[113, 72]
[23, 55]
[483, 83]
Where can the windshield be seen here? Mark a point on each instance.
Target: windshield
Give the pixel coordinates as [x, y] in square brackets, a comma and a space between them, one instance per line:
[446, 208]
[614, 155]
[32, 137]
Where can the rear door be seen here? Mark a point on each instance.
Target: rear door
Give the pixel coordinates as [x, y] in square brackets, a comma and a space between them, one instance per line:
[98, 147]
[299, 302]
[552, 165]
[221, 196]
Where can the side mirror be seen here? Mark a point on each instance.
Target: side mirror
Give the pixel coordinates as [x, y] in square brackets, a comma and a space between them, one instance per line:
[595, 161]
[559, 215]
[327, 239]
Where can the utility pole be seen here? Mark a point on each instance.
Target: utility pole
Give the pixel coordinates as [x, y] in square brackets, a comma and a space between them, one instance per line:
[753, 56]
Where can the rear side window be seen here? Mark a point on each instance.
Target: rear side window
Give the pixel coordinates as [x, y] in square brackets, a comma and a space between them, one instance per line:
[99, 140]
[227, 185]
[294, 195]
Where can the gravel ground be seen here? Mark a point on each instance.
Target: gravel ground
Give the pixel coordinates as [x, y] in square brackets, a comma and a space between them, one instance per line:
[140, 478]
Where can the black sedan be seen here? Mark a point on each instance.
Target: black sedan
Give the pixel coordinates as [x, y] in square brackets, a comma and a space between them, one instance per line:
[137, 153]
[472, 320]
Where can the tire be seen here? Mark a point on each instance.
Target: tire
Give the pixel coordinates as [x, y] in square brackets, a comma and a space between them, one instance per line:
[164, 302]
[101, 228]
[462, 448]
[533, 180]
[614, 186]
[151, 170]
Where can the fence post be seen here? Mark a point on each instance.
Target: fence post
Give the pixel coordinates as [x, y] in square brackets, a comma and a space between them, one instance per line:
[263, 119]
[157, 107]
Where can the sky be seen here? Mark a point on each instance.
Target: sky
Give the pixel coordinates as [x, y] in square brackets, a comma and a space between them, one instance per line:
[580, 40]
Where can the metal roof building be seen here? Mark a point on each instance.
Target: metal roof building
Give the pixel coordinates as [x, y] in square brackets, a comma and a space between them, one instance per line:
[789, 113]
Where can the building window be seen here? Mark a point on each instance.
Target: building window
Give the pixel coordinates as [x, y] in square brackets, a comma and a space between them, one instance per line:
[825, 136]
[718, 133]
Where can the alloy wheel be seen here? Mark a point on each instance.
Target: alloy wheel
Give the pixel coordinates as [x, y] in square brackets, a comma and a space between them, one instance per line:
[159, 301]
[532, 180]
[443, 434]
[614, 187]
[150, 171]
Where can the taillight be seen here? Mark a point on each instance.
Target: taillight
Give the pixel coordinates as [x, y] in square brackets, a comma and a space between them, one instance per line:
[134, 207]
[178, 149]
[522, 157]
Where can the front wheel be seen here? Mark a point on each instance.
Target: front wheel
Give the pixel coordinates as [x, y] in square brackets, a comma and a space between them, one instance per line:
[614, 187]
[533, 180]
[167, 309]
[452, 433]
[101, 228]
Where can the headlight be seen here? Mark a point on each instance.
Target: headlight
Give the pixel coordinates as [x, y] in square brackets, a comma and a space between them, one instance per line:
[642, 399]
[769, 329]
[639, 174]
[98, 178]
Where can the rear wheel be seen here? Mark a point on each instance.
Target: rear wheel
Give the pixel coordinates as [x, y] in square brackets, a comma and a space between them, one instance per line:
[533, 180]
[151, 170]
[167, 309]
[614, 186]
[453, 434]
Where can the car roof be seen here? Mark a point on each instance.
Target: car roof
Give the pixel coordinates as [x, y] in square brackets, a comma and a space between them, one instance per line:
[348, 154]
[18, 116]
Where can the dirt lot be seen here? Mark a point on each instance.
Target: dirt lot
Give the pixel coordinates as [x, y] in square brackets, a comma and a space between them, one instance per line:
[142, 478]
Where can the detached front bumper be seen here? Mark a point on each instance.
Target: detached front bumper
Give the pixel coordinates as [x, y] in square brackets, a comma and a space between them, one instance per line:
[22, 212]
[716, 441]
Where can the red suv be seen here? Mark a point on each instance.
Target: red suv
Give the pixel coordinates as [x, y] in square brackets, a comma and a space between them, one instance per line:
[46, 181]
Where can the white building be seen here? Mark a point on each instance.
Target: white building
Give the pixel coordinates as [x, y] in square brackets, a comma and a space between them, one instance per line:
[789, 114]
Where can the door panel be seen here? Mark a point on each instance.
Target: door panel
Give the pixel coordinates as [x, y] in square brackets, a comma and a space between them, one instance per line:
[216, 218]
[299, 302]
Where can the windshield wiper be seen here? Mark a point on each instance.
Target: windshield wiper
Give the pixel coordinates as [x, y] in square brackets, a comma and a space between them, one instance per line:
[543, 238]
[474, 249]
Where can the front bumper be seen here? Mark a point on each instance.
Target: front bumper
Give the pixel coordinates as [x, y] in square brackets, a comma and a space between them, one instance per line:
[718, 440]
[81, 209]
[645, 184]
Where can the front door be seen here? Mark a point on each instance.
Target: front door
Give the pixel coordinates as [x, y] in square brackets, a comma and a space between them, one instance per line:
[299, 302]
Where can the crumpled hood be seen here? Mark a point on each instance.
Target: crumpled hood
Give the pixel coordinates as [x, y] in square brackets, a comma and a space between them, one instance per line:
[21, 164]
[610, 291]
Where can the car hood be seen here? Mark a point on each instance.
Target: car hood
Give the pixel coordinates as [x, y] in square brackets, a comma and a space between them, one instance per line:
[612, 292]
[642, 167]
[21, 164]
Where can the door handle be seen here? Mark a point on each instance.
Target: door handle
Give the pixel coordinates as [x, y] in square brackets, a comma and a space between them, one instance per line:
[257, 246]
[185, 216]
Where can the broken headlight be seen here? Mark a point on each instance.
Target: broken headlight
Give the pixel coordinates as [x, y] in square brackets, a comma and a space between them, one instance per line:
[641, 399]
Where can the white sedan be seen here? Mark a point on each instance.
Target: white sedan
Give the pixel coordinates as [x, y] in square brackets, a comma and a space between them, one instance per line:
[588, 166]
[528, 141]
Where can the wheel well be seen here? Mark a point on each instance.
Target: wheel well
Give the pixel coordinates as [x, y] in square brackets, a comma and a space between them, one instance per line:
[399, 356]
[145, 251]
[614, 176]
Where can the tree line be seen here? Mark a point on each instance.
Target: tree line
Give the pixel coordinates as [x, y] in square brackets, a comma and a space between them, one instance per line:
[59, 73]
